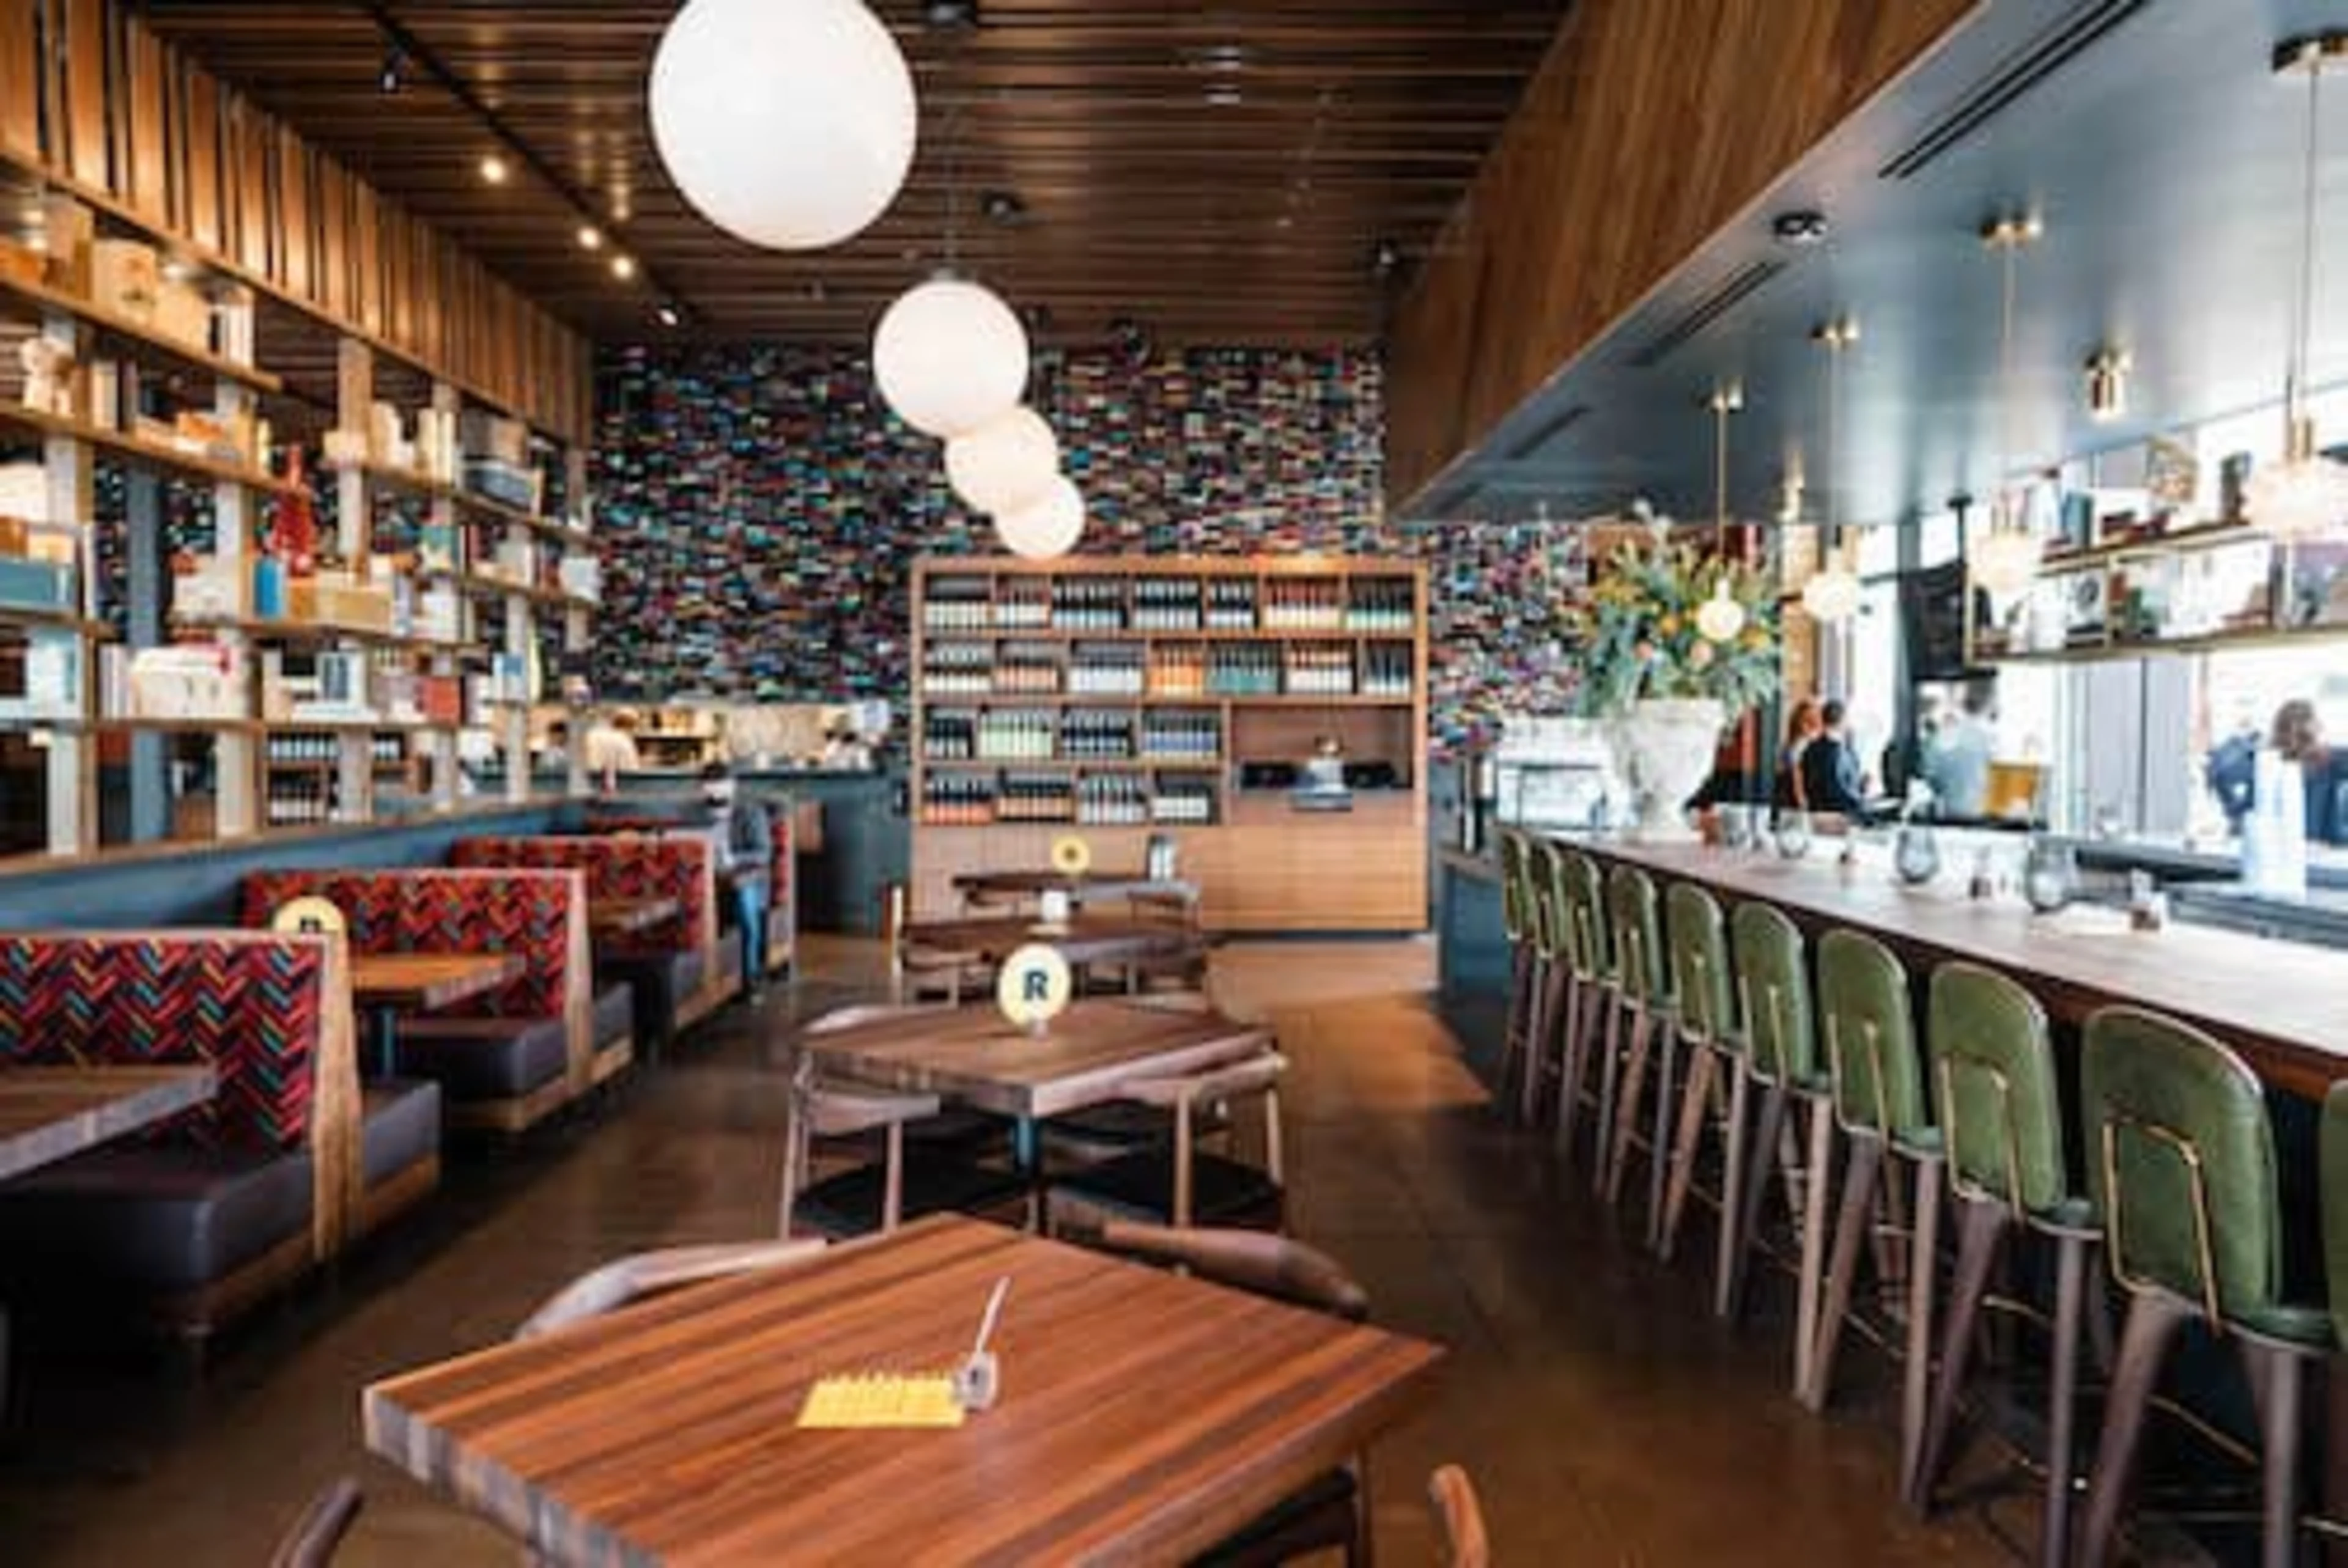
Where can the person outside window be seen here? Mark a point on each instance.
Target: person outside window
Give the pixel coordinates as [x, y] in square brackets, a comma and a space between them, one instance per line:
[1957, 756]
[2298, 737]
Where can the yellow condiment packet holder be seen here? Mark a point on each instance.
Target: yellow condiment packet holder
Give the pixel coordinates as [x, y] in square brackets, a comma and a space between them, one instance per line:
[881, 1402]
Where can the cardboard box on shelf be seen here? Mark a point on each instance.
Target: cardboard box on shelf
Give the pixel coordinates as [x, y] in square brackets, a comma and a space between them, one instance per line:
[215, 590]
[40, 674]
[37, 584]
[189, 681]
[20, 262]
[66, 228]
[183, 315]
[126, 276]
[338, 601]
[491, 435]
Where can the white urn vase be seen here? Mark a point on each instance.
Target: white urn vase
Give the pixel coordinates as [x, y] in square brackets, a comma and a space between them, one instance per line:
[1663, 749]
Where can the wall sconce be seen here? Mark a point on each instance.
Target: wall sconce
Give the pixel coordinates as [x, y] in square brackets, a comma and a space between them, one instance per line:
[2107, 374]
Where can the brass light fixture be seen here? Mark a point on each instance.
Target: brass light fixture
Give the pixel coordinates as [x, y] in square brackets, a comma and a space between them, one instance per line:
[2304, 493]
[1831, 595]
[2005, 560]
[1719, 618]
[2108, 373]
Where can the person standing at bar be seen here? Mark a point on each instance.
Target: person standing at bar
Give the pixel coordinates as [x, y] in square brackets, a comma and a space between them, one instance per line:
[1802, 727]
[744, 845]
[1957, 755]
[1830, 776]
[612, 748]
[2298, 736]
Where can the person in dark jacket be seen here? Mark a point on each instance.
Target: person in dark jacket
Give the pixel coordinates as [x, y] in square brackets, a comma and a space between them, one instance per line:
[1831, 780]
[744, 841]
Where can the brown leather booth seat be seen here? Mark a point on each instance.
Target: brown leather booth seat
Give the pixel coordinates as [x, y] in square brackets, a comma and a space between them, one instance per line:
[615, 1014]
[504, 1073]
[660, 985]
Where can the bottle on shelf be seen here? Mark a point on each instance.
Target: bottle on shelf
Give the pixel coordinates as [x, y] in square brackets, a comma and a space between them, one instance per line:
[1190, 801]
[1387, 670]
[1177, 670]
[1107, 669]
[1230, 604]
[1181, 737]
[1380, 604]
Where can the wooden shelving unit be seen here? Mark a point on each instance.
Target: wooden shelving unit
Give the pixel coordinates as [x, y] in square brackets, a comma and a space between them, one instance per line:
[1220, 649]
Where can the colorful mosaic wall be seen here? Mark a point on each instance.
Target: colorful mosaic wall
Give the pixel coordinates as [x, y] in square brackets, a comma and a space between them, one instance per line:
[759, 513]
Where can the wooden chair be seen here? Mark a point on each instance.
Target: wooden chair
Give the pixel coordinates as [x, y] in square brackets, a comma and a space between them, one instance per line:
[1173, 911]
[314, 1537]
[1331, 1513]
[1460, 1518]
[917, 974]
[1183, 1184]
[947, 1167]
[647, 1274]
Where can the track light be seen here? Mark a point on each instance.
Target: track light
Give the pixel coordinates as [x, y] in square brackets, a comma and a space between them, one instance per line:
[1385, 259]
[667, 314]
[2107, 374]
[589, 237]
[395, 70]
[623, 268]
[494, 171]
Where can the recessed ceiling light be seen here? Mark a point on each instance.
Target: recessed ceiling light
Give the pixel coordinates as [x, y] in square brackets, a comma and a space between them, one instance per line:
[624, 267]
[1002, 207]
[1222, 95]
[1802, 227]
[668, 315]
[589, 237]
[494, 171]
[950, 16]
[394, 69]
[1385, 258]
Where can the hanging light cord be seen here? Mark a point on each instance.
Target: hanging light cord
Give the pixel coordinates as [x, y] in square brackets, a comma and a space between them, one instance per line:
[2006, 395]
[1834, 442]
[2303, 304]
[1720, 405]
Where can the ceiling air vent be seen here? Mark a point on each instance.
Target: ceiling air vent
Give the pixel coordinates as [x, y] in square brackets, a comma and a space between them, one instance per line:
[1703, 312]
[1547, 431]
[2035, 61]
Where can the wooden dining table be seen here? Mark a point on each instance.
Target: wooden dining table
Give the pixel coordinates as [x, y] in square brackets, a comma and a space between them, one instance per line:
[610, 918]
[389, 984]
[1091, 886]
[1084, 938]
[2283, 1005]
[1142, 1416]
[50, 1113]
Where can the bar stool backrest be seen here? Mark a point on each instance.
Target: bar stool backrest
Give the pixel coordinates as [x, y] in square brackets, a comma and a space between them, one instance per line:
[2181, 1163]
[1581, 893]
[1699, 953]
[1639, 959]
[1870, 1031]
[2334, 1203]
[1994, 1074]
[1549, 923]
[1513, 923]
[1773, 976]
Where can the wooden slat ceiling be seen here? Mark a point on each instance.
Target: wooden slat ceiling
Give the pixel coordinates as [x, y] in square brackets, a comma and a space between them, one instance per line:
[1217, 174]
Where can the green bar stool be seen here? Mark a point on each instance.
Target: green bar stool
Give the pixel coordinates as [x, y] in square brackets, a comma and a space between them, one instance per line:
[2182, 1167]
[1553, 969]
[1642, 997]
[1703, 981]
[2002, 1126]
[1516, 924]
[1879, 1105]
[1580, 898]
[1773, 983]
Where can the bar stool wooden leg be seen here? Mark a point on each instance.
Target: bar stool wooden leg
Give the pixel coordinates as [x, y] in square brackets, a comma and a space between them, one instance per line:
[1727, 1244]
[1574, 1062]
[1546, 1013]
[2278, 1420]
[1924, 1253]
[1659, 1134]
[1760, 1150]
[1862, 1177]
[1982, 1225]
[1695, 1105]
[1626, 1104]
[1811, 1284]
[1609, 1086]
[2061, 1399]
[2153, 1316]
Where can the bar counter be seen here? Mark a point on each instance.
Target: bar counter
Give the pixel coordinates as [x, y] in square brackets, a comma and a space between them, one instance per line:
[2283, 1005]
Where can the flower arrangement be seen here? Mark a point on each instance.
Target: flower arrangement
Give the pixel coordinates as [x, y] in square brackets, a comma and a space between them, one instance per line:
[1644, 633]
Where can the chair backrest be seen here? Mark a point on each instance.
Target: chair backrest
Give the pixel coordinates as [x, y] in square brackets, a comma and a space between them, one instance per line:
[1699, 961]
[1583, 895]
[312, 1539]
[1869, 1022]
[644, 1274]
[1259, 1076]
[1773, 980]
[1633, 920]
[1549, 922]
[2180, 1162]
[2334, 1200]
[1513, 920]
[1994, 1074]
[1459, 1518]
[1257, 1262]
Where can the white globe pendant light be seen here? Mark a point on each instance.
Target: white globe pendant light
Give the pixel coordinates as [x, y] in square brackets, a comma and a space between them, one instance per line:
[1719, 618]
[1006, 463]
[787, 123]
[949, 355]
[1047, 527]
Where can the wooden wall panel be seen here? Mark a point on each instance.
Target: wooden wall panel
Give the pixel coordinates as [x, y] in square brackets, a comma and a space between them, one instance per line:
[201, 199]
[1647, 128]
[334, 291]
[142, 110]
[20, 80]
[249, 164]
[84, 56]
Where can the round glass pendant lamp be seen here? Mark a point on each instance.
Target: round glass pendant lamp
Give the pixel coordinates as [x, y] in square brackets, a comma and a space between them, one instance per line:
[2005, 561]
[949, 356]
[1006, 463]
[788, 125]
[1047, 527]
[1719, 618]
[1831, 595]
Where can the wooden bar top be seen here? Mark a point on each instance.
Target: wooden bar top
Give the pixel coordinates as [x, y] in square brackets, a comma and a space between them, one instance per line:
[972, 1054]
[49, 1113]
[1143, 1416]
[2283, 1005]
[428, 981]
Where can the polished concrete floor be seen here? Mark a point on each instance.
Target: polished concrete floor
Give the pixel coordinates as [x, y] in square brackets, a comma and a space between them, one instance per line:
[1606, 1417]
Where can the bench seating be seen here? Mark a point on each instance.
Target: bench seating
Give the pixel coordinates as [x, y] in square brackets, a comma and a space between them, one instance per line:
[505, 1060]
[677, 970]
[189, 1222]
